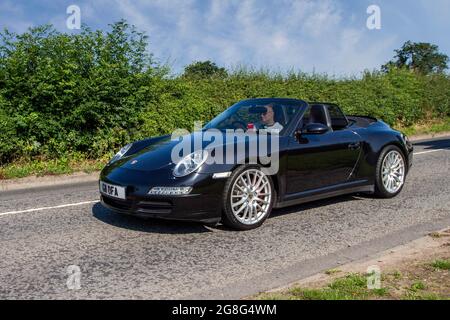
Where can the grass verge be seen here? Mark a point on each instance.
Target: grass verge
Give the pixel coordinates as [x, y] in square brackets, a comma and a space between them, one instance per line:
[429, 281]
[427, 127]
[49, 167]
[441, 264]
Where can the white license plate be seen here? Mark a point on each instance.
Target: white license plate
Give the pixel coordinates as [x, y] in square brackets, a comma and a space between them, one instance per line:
[112, 191]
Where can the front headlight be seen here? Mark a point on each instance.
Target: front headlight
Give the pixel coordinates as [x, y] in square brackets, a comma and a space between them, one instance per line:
[190, 163]
[121, 153]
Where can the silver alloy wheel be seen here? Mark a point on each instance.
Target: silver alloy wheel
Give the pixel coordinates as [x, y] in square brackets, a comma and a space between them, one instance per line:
[251, 196]
[393, 171]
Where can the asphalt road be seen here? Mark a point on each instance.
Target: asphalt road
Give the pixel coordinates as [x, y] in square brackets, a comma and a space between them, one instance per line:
[124, 257]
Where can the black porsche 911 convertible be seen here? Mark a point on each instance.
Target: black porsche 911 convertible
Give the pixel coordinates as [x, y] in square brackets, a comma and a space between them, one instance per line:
[319, 152]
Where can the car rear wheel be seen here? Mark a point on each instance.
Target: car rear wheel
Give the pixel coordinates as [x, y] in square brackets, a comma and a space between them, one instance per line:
[248, 198]
[390, 172]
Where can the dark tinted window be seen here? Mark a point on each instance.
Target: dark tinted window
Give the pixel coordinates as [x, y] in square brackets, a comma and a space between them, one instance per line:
[316, 113]
[338, 119]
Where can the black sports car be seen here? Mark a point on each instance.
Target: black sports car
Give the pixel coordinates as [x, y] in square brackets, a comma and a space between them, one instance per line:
[319, 152]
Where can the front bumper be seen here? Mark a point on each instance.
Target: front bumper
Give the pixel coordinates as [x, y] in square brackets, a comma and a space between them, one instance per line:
[410, 160]
[410, 153]
[203, 204]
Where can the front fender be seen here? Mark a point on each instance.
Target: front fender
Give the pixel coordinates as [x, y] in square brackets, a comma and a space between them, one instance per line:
[374, 142]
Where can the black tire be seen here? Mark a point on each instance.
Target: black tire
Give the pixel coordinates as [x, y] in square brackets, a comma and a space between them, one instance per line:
[228, 218]
[380, 189]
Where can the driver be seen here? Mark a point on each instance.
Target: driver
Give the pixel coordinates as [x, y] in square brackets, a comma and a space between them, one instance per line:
[268, 120]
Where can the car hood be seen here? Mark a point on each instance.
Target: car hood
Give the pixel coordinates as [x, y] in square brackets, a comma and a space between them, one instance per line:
[157, 154]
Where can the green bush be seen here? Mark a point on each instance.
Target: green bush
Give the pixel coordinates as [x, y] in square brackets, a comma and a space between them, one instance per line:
[65, 93]
[92, 92]
[437, 95]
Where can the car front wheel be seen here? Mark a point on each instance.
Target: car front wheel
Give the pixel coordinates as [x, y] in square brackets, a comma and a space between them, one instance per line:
[248, 198]
[390, 172]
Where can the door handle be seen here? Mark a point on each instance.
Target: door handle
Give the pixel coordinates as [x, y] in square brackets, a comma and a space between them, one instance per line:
[354, 146]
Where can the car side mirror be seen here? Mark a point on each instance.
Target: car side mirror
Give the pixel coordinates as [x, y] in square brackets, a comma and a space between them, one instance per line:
[315, 128]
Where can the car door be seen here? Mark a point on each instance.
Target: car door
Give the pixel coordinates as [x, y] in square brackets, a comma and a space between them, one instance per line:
[320, 160]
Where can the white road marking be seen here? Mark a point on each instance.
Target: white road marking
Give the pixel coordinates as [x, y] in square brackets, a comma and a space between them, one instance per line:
[431, 151]
[48, 208]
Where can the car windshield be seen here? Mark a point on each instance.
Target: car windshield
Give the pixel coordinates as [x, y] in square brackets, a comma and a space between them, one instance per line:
[256, 115]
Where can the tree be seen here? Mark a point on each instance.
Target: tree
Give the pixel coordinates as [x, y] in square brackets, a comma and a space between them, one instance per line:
[204, 70]
[421, 57]
[63, 93]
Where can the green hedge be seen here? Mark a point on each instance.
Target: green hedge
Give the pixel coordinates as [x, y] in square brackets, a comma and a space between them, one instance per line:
[397, 97]
[89, 93]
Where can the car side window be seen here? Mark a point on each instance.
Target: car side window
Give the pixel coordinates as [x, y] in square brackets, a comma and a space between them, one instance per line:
[304, 120]
[338, 119]
[290, 111]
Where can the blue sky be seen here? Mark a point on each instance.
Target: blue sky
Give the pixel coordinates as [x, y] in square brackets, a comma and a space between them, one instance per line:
[325, 36]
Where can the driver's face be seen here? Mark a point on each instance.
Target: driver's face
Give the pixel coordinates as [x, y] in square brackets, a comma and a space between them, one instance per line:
[268, 116]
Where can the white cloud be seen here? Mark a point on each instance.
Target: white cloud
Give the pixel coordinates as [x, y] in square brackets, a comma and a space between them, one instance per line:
[322, 35]
[13, 17]
[303, 34]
